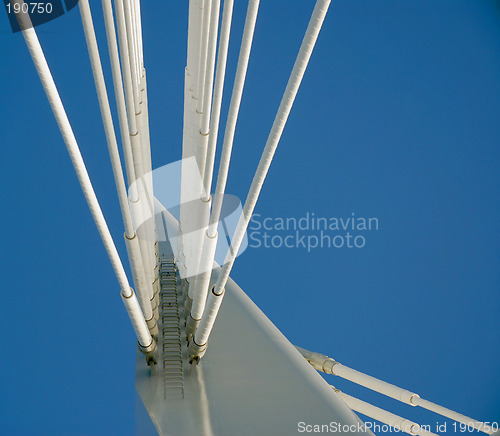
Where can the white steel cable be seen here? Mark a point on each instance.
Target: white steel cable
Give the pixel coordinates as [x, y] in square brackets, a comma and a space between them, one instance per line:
[126, 70]
[132, 244]
[329, 366]
[205, 79]
[133, 129]
[119, 94]
[132, 101]
[201, 284]
[135, 37]
[232, 117]
[102, 95]
[137, 147]
[210, 66]
[396, 422]
[208, 245]
[215, 297]
[132, 39]
[211, 235]
[139, 33]
[217, 95]
[126, 40]
[208, 85]
[137, 318]
[443, 411]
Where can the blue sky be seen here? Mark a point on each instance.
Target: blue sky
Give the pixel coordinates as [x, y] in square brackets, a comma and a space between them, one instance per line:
[397, 118]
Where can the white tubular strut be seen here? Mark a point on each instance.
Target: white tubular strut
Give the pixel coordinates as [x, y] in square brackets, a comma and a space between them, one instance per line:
[201, 280]
[134, 68]
[133, 20]
[107, 120]
[130, 93]
[210, 67]
[196, 239]
[139, 20]
[196, 221]
[215, 297]
[234, 106]
[232, 117]
[201, 283]
[217, 94]
[329, 366]
[146, 342]
[208, 77]
[136, 10]
[119, 95]
[133, 245]
[394, 421]
[130, 237]
[126, 70]
[443, 411]
[140, 208]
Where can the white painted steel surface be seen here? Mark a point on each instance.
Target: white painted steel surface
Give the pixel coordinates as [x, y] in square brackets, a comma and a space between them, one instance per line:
[252, 381]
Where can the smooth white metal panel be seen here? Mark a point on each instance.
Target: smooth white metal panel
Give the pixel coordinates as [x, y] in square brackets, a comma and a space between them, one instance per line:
[252, 380]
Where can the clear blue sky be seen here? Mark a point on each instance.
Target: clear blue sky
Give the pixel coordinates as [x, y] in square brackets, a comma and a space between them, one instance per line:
[397, 118]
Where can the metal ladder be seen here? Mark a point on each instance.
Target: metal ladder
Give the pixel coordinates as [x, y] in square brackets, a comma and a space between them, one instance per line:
[173, 378]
